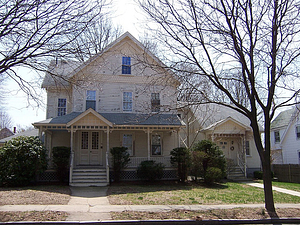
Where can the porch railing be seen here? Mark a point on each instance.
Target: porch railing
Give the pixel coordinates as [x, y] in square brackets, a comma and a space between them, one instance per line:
[242, 164]
[107, 168]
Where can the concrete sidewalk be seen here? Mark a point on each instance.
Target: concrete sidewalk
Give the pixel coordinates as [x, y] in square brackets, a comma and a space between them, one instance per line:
[91, 204]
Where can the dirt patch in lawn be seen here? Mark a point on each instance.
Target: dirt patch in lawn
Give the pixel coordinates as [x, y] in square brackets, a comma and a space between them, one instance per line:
[33, 216]
[35, 195]
[237, 213]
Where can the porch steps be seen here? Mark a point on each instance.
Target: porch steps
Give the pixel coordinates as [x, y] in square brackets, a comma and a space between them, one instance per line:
[236, 174]
[89, 177]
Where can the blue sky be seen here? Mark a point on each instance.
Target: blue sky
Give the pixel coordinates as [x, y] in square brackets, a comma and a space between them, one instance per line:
[23, 112]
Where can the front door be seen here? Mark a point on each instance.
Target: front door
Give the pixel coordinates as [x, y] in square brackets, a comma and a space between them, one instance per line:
[90, 151]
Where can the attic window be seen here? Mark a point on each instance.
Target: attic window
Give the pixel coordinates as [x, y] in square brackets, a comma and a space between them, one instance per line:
[126, 65]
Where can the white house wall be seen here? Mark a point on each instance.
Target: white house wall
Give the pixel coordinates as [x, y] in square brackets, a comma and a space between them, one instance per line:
[52, 101]
[291, 146]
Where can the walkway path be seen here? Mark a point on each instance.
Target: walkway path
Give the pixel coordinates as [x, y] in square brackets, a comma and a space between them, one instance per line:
[91, 204]
[282, 190]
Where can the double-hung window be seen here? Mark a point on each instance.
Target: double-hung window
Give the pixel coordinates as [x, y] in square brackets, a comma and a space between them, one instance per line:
[298, 132]
[155, 102]
[277, 136]
[62, 107]
[126, 65]
[91, 99]
[128, 143]
[247, 148]
[156, 145]
[127, 101]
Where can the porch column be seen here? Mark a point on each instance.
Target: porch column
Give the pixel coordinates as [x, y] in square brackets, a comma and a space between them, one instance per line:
[149, 143]
[107, 154]
[72, 155]
[245, 155]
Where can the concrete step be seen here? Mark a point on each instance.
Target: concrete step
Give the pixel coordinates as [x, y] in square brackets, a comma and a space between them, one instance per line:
[88, 176]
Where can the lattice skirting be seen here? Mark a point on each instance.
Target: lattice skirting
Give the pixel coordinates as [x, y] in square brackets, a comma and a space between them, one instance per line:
[131, 175]
[48, 176]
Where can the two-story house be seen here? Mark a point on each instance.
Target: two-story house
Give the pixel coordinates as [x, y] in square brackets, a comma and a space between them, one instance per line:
[285, 137]
[113, 99]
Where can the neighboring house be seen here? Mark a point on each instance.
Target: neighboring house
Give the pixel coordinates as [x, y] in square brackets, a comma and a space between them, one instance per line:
[230, 130]
[33, 132]
[114, 99]
[5, 132]
[285, 137]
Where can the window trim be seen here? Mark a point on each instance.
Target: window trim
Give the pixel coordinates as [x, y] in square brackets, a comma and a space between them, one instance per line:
[161, 144]
[297, 132]
[60, 107]
[247, 147]
[129, 102]
[132, 152]
[155, 102]
[126, 65]
[90, 100]
[277, 137]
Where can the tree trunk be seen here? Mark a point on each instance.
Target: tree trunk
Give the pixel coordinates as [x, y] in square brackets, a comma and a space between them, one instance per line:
[267, 178]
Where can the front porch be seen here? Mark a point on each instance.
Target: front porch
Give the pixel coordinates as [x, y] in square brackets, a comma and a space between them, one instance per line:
[91, 135]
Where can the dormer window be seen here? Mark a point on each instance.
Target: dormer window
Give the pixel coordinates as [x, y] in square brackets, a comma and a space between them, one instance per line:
[91, 99]
[126, 65]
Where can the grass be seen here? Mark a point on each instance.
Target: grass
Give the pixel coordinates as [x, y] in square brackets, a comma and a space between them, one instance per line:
[189, 194]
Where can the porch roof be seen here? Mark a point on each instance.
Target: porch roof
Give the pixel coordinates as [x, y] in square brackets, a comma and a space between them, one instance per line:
[120, 119]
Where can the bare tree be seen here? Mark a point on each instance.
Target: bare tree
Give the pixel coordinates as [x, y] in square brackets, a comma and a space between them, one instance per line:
[246, 52]
[34, 32]
[5, 120]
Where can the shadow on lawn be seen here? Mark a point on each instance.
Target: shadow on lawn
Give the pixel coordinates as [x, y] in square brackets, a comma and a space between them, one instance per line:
[141, 187]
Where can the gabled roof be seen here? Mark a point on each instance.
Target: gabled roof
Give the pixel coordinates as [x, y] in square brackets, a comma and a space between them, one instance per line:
[119, 119]
[223, 121]
[33, 132]
[283, 119]
[89, 111]
[68, 69]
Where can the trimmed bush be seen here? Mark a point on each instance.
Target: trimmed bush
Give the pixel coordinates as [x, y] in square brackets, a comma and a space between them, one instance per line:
[259, 174]
[180, 157]
[61, 161]
[120, 160]
[150, 170]
[21, 160]
[212, 175]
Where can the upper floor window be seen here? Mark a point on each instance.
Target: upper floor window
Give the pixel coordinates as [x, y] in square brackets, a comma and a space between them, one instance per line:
[127, 101]
[62, 107]
[298, 131]
[155, 102]
[247, 147]
[277, 136]
[126, 65]
[91, 99]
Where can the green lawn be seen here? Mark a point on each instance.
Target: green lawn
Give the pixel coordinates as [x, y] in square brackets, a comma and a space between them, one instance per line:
[185, 194]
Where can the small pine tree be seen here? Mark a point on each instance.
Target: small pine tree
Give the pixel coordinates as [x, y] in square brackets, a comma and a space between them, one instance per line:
[180, 157]
[121, 159]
